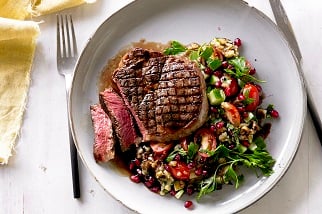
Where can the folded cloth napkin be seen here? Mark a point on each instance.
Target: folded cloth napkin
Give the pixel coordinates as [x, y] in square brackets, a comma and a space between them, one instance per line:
[17, 47]
[25, 9]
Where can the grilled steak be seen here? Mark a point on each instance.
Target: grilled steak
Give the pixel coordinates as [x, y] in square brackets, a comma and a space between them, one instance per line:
[165, 94]
[103, 142]
[122, 120]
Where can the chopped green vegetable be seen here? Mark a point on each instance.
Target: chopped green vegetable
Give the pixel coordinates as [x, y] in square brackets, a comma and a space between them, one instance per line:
[216, 96]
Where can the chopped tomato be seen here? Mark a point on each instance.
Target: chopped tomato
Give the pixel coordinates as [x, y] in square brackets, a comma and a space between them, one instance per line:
[230, 85]
[179, 170]
[161, 149]
[251, 94]
[231, 113]
[207, 141]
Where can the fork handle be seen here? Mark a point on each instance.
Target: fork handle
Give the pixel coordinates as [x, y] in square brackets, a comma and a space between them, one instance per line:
[73, 150]
[74, 164]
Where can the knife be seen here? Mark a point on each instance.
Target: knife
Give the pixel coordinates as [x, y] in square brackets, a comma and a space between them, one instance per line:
[284, 25]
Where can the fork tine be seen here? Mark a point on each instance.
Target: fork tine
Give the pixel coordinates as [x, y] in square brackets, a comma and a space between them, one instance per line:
[69, 49]
[58, 38]
[63, 36]
[73, 36]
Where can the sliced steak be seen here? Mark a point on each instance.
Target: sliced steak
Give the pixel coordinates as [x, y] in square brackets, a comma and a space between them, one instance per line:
[165, 94]
[122, 120]
[103, 148]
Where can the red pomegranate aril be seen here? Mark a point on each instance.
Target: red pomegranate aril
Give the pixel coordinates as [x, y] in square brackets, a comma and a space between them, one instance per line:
[204, 172]
[274, 113]
[208, 71]
[213, 109]
[231, 146]
[218, 73]
[224, 64]
[190, 190]
[155, 189]
[172, 192]
[241, 109]
[238, 42]
[212, 128]
[177, 157]
[191, 165]
[198, 171]
[188, 204]
[252, 71]
[241, 97]
[218, 84]
[135, 178]
[245, 143]
[132, 166]
[220, 124]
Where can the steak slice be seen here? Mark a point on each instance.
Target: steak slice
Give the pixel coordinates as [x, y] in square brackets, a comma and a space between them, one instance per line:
[103, 148]
[165, 94]
[122, 120]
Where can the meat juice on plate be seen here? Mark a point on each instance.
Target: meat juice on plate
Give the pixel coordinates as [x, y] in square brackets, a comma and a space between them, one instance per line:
[195, 131]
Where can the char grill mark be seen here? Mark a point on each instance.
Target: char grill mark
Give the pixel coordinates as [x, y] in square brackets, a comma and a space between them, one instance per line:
[166, 94]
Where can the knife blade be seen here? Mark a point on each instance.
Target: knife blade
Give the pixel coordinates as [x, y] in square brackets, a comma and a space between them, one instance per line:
[284, 25]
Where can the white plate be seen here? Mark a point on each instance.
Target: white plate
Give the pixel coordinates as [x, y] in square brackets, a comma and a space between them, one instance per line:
[189, 21]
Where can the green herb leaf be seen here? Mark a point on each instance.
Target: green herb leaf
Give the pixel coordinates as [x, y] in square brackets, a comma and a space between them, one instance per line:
[175, 48]
[206, 52]
[194, 55]
[192, 150]
[213, 64]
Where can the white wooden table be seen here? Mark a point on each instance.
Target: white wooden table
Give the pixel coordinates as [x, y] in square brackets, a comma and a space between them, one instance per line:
[38, 177]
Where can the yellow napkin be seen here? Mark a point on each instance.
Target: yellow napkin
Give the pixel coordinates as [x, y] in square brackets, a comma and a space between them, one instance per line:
[17, 47]
[24, 9]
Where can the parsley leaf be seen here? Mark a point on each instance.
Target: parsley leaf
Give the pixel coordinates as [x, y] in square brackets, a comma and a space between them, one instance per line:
[175, 48]
[241, 70]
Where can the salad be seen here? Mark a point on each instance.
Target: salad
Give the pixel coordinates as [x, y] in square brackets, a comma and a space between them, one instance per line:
[233, 136]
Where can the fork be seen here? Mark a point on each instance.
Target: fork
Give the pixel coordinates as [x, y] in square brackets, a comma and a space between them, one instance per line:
[66, 59]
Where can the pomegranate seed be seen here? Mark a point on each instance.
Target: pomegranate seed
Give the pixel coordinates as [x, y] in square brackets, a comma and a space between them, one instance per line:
[132, 166]
[245, 143]
[245, 114]
[274, 113]
[208, 71]
[224, 64]
[155, 189]
[166, 167]
[212, 128]
[231, 146]
[190, 190]
[204, 172]
[241, 109]
[137, 162]
[172, 192]
[252, 71]
[213, 109]
[218, 84]
[241, 97]
[238, 42]
[188, 204]
[198, 171]
[218, 73]
[177, 157]
[191, 165]
[135, 178]
[220, 124]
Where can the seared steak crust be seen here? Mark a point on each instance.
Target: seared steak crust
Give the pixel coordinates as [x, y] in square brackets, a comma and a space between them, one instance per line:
[166, 94]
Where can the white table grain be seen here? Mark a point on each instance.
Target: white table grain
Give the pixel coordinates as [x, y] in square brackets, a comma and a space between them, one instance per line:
[38, 177]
